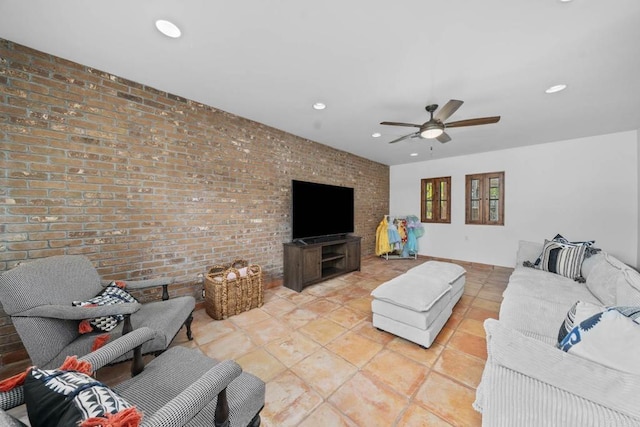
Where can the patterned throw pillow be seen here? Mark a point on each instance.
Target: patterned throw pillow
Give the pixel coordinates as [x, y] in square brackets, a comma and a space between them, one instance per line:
[589, 247]
[112, 294]
[68, 398]
[562, 259]
[609, 338]
[561, 239]
[578, 312]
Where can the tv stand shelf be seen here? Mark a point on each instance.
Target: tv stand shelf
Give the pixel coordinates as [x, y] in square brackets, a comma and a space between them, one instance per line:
[313, 261]
[331, 257]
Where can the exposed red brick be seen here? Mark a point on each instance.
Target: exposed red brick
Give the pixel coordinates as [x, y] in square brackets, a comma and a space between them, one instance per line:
[149, 184]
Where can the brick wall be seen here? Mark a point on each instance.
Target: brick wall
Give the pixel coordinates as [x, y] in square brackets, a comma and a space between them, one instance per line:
[146, 183]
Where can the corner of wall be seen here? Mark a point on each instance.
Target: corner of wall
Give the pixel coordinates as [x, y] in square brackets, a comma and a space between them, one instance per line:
[638, 183]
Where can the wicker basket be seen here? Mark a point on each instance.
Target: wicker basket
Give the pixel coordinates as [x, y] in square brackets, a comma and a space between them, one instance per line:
[232, 289]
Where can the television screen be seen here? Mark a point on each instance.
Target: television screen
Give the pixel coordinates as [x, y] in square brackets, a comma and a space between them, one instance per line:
[320, 209]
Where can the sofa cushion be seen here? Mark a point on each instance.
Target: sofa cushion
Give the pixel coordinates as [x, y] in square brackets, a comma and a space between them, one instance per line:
[628, 288]
[546, 286]
[590, 262]
[609, 338]
[562, 259]
[527, 251]
[533, 317]
[603, 278]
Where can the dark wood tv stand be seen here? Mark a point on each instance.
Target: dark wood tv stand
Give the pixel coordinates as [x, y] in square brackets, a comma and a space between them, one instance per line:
[315, 260]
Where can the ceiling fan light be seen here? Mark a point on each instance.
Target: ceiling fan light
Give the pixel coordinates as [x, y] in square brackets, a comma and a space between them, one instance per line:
[432, 131]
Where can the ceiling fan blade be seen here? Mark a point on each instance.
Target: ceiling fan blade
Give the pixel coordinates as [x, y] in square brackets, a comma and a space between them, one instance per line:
[444, 138]
[473, 122]
[400, 124]
[448, 109]
[411, 135]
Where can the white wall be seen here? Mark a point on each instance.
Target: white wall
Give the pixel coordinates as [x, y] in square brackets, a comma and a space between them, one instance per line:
[584, 189]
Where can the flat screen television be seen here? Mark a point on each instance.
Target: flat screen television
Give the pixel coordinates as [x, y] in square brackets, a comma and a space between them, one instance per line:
[320, 210]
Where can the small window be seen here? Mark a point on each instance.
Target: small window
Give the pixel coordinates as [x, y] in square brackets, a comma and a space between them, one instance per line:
[485, 198]
[435, 200]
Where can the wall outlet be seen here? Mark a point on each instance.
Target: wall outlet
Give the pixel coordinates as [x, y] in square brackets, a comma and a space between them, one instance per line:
[203, 293]
[200, 277]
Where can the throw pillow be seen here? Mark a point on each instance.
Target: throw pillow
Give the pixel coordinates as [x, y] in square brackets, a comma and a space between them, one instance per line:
[590, 249]
[68, 398]
[609, 338]
[588, 244]
[561, 239]
[632, 313]
[562, 259]
[578, 312]
[114, 293]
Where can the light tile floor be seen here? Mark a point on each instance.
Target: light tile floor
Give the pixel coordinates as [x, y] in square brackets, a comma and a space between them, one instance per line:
[325, 364]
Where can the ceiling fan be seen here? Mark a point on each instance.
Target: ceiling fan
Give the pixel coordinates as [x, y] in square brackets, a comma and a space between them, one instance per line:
[434, 128]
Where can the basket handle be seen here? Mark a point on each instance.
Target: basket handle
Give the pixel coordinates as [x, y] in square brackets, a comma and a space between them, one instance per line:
[218, 268]
[254, 269]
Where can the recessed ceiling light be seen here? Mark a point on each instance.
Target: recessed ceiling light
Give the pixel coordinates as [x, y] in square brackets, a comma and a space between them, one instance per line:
[376, 135]
[556, 88]
[167, 28]
[319, 106]
[413, 154]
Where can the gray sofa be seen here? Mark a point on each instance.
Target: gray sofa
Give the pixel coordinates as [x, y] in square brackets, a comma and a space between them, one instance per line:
[527, 380]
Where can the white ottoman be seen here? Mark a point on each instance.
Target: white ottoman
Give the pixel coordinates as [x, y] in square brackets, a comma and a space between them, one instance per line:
[417, 304]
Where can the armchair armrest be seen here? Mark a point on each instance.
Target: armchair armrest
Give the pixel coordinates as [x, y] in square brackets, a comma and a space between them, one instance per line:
[12, 398]
[116, 348]
[98, 359]
[69, 312]
[182, 408]
[542, 365]
[144, 283]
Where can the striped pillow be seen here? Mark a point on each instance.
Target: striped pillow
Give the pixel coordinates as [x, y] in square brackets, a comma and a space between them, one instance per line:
[562, 259]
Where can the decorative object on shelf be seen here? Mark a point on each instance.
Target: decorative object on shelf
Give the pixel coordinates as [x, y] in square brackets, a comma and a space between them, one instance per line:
[231, 289]
[397, 237]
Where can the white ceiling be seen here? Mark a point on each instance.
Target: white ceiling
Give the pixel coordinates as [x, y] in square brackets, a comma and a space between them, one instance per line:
[369, 61]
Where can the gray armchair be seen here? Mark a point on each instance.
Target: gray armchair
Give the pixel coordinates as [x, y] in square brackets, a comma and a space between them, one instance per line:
[38, 296]
[181, 387]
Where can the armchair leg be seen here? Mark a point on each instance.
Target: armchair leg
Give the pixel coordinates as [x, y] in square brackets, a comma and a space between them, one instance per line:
[187, 323]
[255, 422]
[222, 410]
[137, 365]
[126, 326]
